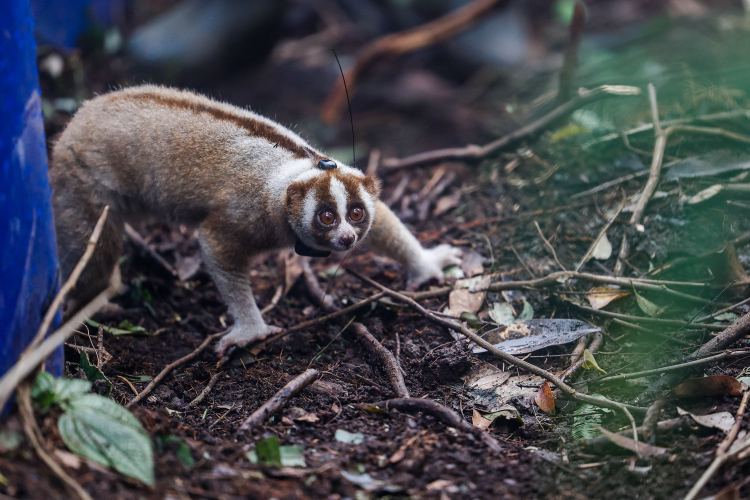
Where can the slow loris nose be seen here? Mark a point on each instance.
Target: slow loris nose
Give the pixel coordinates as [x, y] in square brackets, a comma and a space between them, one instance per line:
[346, 240]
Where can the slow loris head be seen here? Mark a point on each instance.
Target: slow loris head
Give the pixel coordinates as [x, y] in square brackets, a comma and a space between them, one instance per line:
[330, 207]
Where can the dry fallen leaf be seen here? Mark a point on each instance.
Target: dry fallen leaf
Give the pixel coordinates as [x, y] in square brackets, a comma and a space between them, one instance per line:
[68, 459]
[706, 194]
[401, 452]
[603, 249]
[478, 421]
[545, 400]
[600, 296]
[722, 420]
[644, 449]
[446, 203]
[714, 385]
[439, 485]
[462, 299]
[490, 381]
[186, 267]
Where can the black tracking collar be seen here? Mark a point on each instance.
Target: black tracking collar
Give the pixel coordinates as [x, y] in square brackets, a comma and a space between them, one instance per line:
[301, 249]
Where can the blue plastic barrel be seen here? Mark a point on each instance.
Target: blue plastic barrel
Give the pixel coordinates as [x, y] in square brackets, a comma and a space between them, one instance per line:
[62, 22]
[28, 255]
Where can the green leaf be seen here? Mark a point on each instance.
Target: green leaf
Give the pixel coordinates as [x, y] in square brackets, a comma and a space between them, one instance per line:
[10, 440]
[349, 437]
[268, 451]
[48, 390]
[293, 456]
[646, 305]
[471, 320]
[101, 430]
[92, 372]
[586, 418]
[183, 450]
[502, 313]
[527, 313]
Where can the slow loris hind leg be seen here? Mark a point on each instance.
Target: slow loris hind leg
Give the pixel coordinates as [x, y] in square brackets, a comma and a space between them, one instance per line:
[228, 264]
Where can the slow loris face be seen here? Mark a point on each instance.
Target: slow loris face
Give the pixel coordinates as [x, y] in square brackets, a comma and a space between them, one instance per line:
[332, 207]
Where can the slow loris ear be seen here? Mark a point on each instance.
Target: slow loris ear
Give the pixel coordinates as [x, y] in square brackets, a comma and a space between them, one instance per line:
[295, 197]
[372, 186]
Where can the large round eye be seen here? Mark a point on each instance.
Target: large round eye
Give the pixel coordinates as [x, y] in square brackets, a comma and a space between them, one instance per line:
[327, 217]
[356, 214]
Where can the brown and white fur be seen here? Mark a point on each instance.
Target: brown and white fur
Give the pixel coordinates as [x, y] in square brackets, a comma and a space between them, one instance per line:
[248, 184]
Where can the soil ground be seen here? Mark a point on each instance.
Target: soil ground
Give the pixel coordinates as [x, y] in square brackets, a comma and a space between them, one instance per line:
[415, 455]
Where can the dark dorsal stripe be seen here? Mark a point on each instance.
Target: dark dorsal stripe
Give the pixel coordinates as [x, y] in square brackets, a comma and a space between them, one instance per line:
[253, 126]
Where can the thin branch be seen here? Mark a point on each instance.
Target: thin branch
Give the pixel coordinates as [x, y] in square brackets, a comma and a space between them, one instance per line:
[554, 279]
[274, 300]
[317, 321]
[656, 161]
[211, 383]
[721, 453]
[474, 153]
[643, 319]
[680, 366]
[141, 243]
[279, 400]
[722, 311]
[737, 330]
[34, 435]
[549, 245]
[578, 363]
[390, 365]
[438, 411]
[386, 358]
[567, 390]
[601, 235]
[403, 42]
[70, 283]
[609, 184]
[320, 296]
[724, 115]
[30, 360]
[171, 366]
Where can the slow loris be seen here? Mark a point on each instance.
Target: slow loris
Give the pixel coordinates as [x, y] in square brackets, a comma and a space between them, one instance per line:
[247, 183]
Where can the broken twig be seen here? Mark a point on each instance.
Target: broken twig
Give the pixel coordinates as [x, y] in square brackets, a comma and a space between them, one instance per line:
[680, 366]
[567, 390]
[440, 412]
[403, 42]
[386, 358]
[34, 435]
[279, 400]
[70, 283]
[141, 243]
[30, 360]
[171, 366]
[722, 454]
[474, 153]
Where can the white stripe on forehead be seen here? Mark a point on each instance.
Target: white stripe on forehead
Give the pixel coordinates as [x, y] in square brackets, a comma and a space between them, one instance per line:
[308, 174]
[368, 202]
[308, 208]
[339, 194]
